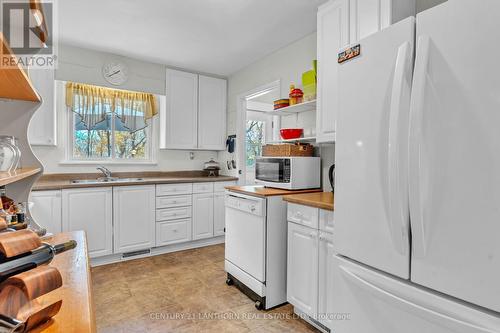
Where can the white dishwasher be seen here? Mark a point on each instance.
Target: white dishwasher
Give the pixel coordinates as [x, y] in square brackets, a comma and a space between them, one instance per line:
[255, 253]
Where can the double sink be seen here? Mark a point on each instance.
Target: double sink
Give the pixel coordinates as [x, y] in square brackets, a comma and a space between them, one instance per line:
[106, 180]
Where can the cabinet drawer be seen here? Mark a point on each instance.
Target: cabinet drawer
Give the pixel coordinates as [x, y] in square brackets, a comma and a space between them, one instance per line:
[304, 215]
[220, 186]
[173, 232]
[203, 187]
[174, 189]
[173, 201]
[326, 220]
[173, 213]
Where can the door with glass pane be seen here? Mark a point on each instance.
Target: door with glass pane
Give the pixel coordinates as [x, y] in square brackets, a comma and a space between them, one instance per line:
[258, 130]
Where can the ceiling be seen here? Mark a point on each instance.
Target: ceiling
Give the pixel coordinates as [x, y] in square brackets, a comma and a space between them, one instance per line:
[212, 36]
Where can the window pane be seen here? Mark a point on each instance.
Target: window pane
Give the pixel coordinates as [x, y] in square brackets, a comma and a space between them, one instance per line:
[254, 140]
[94, 143]
[131, 145]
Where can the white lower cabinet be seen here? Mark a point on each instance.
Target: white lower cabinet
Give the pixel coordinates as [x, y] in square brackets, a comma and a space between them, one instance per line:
[311, 262]
[125, 219]
[219, 214]
[302, 282]
[133, 218]
[91, 210]
[172, 232]
[46, 210]
[203, 216]
[325, 280]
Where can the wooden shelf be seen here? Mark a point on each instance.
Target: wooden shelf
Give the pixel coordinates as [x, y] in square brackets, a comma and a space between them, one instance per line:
[306, 139]
[11, 177]
[14, 83]
[297, 108]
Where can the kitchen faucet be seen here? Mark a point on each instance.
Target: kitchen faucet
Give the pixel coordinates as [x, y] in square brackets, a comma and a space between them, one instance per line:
[105, 171]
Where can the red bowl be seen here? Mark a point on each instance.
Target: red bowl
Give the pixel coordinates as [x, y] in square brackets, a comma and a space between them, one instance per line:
[291, 133]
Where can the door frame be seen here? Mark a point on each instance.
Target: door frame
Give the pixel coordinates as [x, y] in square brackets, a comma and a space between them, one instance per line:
[241, 110]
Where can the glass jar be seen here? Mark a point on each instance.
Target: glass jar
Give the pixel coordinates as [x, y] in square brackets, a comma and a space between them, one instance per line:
[10, 154]
[7, 155]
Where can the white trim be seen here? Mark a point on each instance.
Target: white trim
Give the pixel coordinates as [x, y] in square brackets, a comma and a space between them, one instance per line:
[241, 120]
[114, 258]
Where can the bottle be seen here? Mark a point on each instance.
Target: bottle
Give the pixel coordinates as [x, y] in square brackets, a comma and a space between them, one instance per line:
[5, 201]
[32, 259]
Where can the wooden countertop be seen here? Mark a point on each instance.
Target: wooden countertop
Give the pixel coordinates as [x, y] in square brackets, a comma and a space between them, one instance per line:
[77, 312]
[64, 181]
[261, 191]
[323, 200]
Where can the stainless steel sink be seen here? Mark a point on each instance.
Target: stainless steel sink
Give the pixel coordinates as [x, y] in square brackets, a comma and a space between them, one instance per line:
[106, 180]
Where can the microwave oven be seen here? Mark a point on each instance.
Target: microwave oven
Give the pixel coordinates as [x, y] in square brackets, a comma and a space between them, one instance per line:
[290, 173]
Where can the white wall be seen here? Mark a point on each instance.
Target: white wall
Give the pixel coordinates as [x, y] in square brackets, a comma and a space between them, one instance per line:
[82, 65]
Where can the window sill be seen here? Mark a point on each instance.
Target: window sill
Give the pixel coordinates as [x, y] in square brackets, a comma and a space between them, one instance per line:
[96, 163]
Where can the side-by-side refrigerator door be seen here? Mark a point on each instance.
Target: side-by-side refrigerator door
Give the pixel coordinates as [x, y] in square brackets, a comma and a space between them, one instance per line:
[371, 192]
[367, 301]
[454, 177]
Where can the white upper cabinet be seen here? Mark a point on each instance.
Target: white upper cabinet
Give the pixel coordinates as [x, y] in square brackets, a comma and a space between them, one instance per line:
[370, 16]
[181, 110]
[212, 113]
[194, 116]
[342, 23]
[42, 130]
[333, 35]
[133, 218]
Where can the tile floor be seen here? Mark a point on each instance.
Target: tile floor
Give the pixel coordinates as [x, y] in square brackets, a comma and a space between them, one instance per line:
[169, 293]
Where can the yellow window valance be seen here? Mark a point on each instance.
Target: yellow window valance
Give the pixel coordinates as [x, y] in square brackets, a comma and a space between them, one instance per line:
[93, 104]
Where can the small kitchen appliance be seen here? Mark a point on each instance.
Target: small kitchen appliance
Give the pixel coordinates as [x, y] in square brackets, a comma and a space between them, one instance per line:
[290, 173]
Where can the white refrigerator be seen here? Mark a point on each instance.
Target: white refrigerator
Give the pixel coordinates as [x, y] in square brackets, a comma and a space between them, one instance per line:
[417, 194]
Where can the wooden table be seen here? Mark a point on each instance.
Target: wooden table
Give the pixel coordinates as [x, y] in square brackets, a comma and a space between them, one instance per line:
[77, 312]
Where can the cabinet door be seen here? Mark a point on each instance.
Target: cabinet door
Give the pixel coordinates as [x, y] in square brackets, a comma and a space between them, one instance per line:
[333, 35]
[370, 16]
[42, 130]
[46, 210]
[91, 210]
[219, 214]
[133, 218]
[181, 110]
[203, 216]
[212, 113]
[325, 280]
[302, 274]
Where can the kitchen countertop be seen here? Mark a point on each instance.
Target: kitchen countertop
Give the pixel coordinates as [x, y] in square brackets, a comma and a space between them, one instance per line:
[77, 310]
[323, 200]
[261, 191]
[63, 181]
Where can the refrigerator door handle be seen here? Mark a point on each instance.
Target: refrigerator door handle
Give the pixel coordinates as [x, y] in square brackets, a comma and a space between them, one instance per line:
[416, 115]
[412, 300]
[397, 173]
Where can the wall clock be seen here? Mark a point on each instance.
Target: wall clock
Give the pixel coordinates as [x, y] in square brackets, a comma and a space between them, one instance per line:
[115, 73]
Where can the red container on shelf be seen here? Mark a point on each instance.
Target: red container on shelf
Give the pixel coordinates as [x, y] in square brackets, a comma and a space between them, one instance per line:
[291, 133]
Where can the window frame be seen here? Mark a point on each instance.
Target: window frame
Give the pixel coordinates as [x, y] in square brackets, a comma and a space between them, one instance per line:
[151, 145]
